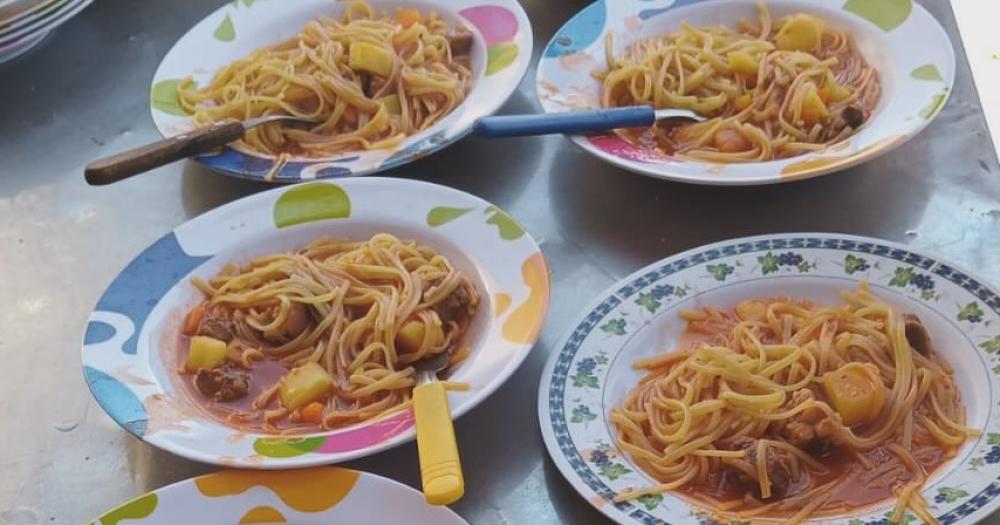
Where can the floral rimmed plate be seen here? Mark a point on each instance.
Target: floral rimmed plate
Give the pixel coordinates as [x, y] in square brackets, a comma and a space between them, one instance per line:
[130, 342]
[316, 496]
[911, 51]
[500, 57]
[591, 370]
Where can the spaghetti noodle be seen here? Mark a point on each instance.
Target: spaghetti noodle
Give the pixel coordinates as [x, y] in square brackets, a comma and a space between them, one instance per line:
[367, 81]
[789, 410]
[774, 89]
[325, 336]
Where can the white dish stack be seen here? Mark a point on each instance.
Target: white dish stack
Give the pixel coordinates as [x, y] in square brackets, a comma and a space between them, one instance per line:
[25, 23]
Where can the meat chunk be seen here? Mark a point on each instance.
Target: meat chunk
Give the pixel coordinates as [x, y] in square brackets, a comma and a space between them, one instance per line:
[298, 320]
[779, 471]
[853, 117]
[917, 335]
[216, 327]
[227, 383]
[460, 42]
[810, 429]
[456, 306]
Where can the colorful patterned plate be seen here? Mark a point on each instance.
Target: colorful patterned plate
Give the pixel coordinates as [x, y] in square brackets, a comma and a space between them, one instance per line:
[591, 370]
[128, 348]
[500, 58]
[914, 57]
[316, 496]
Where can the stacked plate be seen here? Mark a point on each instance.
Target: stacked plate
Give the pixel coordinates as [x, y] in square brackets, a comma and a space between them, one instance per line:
[24, 23]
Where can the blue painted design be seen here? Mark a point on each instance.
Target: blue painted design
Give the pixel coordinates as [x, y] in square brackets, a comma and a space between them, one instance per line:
[137, 289]
[117, 400]
[98, 332]
[561, 371]
[332, 172]
[419, 149]
[237, 163]
[579, 32]
[646, 14]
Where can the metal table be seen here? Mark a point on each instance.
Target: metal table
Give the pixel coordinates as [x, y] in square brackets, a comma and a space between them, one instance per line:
[84, 94]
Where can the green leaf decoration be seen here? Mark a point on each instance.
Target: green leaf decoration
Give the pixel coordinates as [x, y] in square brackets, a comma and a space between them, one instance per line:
[768, 263]
[719, 271]
[225, 32]
[649, 302]
[164, 97]
[887, 14]
[614, 326]
[581, 380]
[932, 109]
[991, 346]
[287, 447]
[950, 495]
[500, 56]
[993, 438]
[314, 201]
[508, 227]
[902, 276]
[905, 520]
[975, 463]
[582, 414]
[853, 264]
[650, 501]
[972, 313]
[613, 471]
[927, 72]
[443, 215]
[136, 509]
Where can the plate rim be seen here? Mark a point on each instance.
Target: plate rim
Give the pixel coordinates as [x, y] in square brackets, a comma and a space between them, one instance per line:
[396, 485]
[977, 513]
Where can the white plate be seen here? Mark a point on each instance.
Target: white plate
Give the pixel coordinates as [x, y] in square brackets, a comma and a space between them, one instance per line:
[591, 369]
[317, 496]
[129, 343]
[45, 23]
[500, 57]
[914, 57]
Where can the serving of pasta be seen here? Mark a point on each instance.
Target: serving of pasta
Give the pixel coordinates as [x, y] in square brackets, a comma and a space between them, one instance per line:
[367, 80]
[772, 89]
[790, 410]
[326, 336]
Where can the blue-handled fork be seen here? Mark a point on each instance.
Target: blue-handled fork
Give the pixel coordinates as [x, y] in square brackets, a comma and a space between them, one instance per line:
[579, 122]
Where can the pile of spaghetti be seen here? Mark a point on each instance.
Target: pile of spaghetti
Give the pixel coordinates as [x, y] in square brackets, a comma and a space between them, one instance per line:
[774, 89]
[789, 410]
[326, 336]
[368, 80]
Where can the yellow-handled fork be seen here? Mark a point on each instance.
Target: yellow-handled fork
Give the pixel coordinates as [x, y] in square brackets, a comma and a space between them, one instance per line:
[440, 467]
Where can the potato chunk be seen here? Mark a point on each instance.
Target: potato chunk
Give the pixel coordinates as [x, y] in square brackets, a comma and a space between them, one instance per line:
[856, 392]
[371, 58]
[205, 352]
[800, 33]
[303, 385]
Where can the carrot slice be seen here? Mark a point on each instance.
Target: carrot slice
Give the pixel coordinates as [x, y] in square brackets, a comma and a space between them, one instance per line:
[408, 17]
[193, 320]
[312, 413]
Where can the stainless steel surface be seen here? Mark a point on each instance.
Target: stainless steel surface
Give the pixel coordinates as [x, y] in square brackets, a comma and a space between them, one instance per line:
[254, 122]
[83, 95]
[680, 114]
[428, 368]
